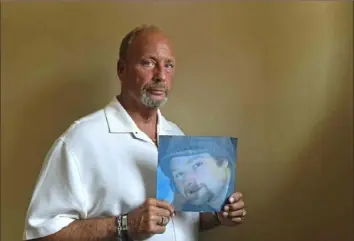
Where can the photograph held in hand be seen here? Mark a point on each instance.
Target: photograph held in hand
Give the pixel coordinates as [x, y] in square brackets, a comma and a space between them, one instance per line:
[196, 173]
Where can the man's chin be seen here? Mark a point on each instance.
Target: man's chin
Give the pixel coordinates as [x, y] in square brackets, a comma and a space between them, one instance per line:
[153, 101]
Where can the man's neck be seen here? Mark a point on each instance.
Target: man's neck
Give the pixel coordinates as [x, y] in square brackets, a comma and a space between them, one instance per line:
[140, 114]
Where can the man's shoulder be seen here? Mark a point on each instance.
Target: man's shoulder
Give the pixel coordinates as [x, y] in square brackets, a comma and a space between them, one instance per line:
[176, 130]
[86, 126]
[175, 127]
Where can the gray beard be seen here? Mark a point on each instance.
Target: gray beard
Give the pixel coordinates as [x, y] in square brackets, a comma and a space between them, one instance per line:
[151, 103]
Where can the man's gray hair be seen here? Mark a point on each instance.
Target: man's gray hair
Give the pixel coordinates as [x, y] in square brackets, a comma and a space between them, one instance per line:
[129, 37]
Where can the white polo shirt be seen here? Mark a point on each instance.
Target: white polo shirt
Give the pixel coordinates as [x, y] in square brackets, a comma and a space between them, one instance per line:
[103, 165]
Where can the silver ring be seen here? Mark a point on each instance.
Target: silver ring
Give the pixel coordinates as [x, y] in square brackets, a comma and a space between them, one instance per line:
[164, 221]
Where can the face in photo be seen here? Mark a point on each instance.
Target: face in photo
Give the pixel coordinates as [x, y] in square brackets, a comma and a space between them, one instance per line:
[196, 173]
[200, 178]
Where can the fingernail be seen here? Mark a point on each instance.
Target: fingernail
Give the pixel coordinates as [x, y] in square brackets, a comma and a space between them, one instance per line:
[226, 208]
[231, 199]
[224, 214]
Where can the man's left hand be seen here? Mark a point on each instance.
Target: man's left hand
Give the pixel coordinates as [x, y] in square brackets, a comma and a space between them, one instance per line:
[234, 212]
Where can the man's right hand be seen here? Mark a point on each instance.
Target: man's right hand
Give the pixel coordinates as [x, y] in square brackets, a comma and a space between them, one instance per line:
[149, 219]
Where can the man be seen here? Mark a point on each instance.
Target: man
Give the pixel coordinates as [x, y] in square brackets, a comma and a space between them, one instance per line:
[200, 170]
[98, 179]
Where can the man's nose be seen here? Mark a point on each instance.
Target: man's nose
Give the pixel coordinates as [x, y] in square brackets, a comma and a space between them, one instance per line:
[190, 180]
[160, 75]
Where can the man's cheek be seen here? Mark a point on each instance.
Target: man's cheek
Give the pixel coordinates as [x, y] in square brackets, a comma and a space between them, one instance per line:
[202, 171]
[169, 83]
[144, 77]
[216, 173]
[180, 188]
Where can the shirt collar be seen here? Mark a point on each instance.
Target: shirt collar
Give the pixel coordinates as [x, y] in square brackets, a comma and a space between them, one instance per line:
[119, 121]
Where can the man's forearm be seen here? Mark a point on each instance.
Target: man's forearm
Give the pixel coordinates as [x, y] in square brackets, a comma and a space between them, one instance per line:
[102, 229]
[208, 221]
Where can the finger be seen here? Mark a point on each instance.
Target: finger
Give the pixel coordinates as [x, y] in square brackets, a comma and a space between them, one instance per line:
[234, 206]
[157, 214]
[235, 214]
[152, 225]
[156, 211]
[237, 220]
[161, 204]
[235, 197]
[159, 219]
[165, 205]
[153, 228]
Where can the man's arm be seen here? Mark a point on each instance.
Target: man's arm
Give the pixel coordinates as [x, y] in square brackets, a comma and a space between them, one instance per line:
[60, 185]
[100, 229]
[208, 221]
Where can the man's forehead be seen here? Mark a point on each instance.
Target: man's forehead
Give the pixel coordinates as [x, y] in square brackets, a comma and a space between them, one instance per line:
[186, 159]
[152, 43]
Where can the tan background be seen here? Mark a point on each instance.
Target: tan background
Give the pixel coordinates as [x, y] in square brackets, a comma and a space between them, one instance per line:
[277, 75]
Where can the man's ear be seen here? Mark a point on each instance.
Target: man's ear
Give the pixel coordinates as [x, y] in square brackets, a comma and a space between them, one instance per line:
[120, 68]
[224, 163]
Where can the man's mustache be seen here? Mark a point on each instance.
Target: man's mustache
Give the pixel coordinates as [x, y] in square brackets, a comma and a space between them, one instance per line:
[194, 188]
[160, 86]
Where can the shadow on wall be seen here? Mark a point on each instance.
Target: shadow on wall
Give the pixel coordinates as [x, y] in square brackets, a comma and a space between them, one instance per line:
[313, 200]
[318, 187]
[45, 115]
[321, 187]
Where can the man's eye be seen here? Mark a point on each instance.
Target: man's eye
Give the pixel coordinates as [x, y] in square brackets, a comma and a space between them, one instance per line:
[198, 164]
[148, 63]
[169, 66]
[180, 174]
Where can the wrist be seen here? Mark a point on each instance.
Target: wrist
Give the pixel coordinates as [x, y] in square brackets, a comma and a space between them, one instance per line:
[208, 221]
[217, 218]
[122, 227]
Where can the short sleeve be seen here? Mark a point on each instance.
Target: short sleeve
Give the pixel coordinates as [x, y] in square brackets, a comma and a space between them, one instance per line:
[58, 198]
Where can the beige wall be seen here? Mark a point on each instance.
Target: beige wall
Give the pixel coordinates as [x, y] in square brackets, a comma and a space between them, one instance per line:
[279, 76]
